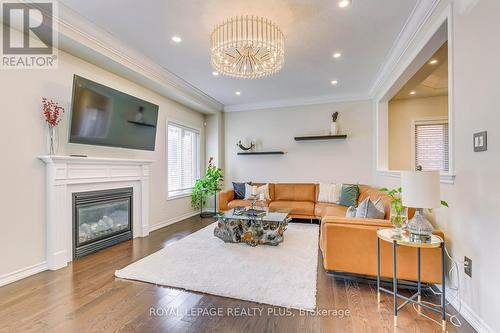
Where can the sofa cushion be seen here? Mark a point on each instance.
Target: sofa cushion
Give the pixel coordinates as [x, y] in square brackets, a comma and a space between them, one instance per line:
[370, 210]
[243, 203]
[239, 203]
[263, 189]
[295, 192]
[349, 195]
[374, 194]
[239, 190]
[297, 207]
[351, 212]
[329, 192]
[323, 209]
[270, 187]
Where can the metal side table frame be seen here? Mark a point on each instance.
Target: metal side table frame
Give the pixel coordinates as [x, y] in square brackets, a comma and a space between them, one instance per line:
[435, 242]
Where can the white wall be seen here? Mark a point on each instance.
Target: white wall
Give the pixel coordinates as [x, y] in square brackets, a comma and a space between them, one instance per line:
[274, 129]
[402, 114]
[22, 139]
[471, 224]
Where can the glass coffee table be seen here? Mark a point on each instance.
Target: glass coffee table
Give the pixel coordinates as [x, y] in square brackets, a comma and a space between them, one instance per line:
[268, 228]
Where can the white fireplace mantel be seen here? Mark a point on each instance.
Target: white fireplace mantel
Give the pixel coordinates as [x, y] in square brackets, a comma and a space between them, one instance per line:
[66, 175]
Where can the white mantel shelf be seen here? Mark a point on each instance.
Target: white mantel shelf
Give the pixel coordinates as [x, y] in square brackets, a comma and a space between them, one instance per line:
[66, 175]
[86, 159]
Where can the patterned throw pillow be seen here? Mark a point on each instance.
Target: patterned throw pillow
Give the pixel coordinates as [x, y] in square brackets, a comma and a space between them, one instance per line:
[261, 189]
[349, 195]
[370, 210]
[239, 190]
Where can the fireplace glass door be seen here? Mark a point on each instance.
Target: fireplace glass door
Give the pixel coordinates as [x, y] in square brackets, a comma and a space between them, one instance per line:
[101, 219]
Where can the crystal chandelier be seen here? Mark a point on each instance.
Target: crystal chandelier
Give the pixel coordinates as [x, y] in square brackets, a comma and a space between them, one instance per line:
[247, 47]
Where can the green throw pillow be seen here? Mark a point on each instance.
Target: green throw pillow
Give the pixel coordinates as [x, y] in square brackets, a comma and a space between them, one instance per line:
[349, 195]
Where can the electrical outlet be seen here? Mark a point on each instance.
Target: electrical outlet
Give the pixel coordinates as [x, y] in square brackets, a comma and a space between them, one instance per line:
[468, 266]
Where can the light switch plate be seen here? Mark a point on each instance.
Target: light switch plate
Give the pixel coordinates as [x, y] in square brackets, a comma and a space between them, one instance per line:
[480, 141]
[468, 266]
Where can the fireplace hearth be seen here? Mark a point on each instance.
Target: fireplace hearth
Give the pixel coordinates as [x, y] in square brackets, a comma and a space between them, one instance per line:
[101, 219]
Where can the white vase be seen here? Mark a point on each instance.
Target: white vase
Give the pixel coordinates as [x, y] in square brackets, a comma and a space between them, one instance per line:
[52, 140]
[334, 128]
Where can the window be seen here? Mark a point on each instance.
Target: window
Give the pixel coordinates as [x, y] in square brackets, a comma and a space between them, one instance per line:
[432, 145]
[183, 151]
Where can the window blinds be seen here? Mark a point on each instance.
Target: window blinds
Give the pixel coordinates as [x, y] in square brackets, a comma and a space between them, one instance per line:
[432, 146]
[183, 159]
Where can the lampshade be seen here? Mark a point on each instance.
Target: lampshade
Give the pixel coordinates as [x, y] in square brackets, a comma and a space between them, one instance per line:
[421, 189]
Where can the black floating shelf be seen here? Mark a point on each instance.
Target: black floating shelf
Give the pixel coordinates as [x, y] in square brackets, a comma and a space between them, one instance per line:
[321, 137]
[141, 124]
[262, 153]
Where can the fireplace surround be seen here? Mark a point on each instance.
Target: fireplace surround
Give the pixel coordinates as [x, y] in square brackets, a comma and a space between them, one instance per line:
[66, 175]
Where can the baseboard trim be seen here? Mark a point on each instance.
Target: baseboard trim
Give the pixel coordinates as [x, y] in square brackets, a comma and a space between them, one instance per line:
[466, 312]
[43, 266]
[173, 220]
[22, 273]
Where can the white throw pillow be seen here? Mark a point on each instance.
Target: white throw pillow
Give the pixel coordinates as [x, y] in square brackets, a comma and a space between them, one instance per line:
[329, 193]
[261, 189]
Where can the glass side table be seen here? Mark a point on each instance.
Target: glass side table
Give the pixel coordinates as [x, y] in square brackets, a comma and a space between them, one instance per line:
[389, 235]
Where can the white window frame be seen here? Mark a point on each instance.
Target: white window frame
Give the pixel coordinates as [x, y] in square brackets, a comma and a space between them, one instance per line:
[185, 192]
[426, 121]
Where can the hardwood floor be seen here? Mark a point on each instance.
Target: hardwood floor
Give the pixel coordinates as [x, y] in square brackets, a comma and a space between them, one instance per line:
[86, 297]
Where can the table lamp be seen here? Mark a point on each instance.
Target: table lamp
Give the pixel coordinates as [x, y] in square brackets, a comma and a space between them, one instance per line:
[420, 189]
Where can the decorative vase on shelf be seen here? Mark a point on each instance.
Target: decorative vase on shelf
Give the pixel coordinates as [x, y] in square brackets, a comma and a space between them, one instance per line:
[399, 217]
[334, 128]
[52, 140]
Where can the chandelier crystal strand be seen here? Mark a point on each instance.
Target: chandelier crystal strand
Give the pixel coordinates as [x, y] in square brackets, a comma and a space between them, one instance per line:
[247, 47]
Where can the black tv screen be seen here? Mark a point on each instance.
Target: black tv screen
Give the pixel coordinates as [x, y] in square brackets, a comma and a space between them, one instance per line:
[107, 117]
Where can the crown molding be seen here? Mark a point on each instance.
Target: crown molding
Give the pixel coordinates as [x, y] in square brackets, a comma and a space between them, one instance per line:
[295, 102]
[418, 17]
[85, 40]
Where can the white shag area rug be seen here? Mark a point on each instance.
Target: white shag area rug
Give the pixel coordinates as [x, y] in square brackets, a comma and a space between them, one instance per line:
[283, 275]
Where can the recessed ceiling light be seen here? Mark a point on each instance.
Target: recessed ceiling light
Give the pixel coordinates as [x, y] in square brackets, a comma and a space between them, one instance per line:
[344, 3]
[215, 73]
[337, 55]
[238, 93]
[413, 92]
[334, 82]
[433, 61]
[176, 39]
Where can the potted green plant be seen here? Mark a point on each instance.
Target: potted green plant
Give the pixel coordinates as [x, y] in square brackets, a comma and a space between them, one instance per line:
[399, 213]
[207, 186]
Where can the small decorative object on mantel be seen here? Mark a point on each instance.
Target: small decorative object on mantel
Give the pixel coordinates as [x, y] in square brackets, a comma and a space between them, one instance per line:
[333, 126]
[242, 147]
[52, 113]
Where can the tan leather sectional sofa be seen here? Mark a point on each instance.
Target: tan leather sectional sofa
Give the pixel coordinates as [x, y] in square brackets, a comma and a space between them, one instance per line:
[347, 244]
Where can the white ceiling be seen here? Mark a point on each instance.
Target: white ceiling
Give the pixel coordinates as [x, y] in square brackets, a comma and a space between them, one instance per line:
[314, 29]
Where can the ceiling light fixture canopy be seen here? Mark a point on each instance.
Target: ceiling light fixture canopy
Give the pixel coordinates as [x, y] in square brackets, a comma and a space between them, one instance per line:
[247, 47]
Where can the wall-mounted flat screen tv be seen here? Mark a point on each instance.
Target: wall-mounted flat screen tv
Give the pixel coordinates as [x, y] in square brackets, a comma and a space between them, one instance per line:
[107, 117]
